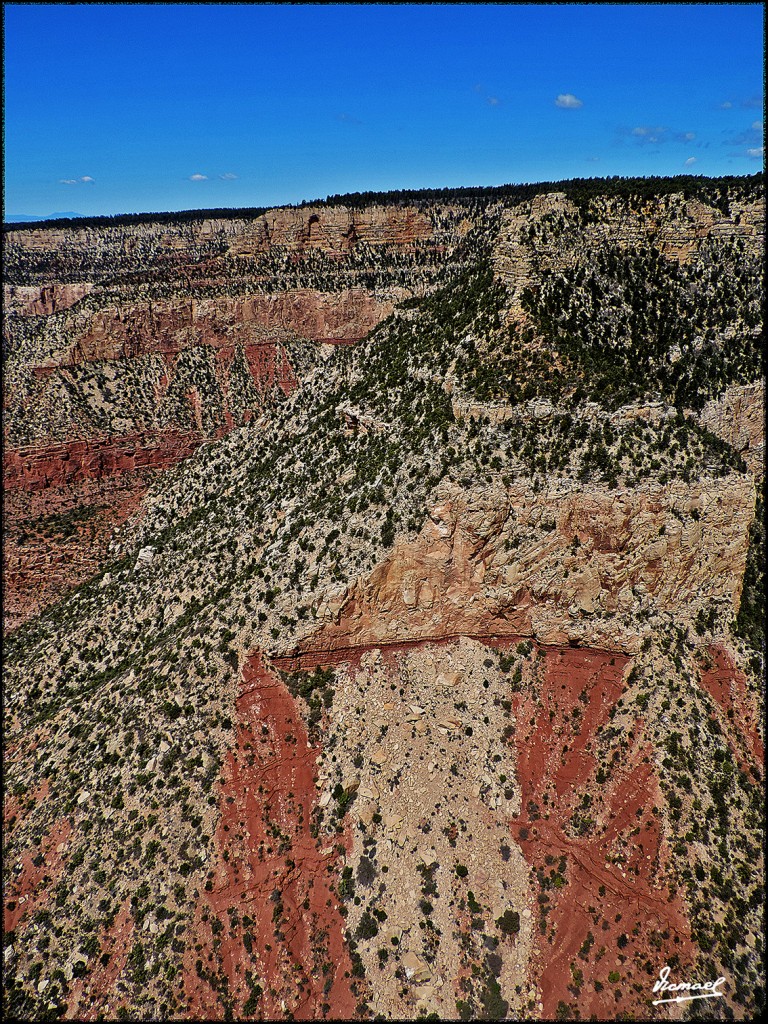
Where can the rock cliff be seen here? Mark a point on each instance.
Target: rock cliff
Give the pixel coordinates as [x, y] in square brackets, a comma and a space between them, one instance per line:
[738, 416]
[30, 300]
[582, 566]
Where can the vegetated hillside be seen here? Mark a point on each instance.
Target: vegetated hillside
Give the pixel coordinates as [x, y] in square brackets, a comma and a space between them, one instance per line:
[435, 686]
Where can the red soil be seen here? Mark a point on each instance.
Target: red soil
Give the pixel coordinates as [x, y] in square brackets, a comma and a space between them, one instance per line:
[15, 809]
[43, 556]
[29, 888]
[269, 870]
[728, 686]
[90, 995]
[270, 365]
[608, 881]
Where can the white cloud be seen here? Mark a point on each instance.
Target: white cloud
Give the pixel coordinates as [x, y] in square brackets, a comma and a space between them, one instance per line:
[198, 177]
[67, 181]
[228, 176]
[726, 106]
[756, 153]
[689, 136]
[690, 161]
[493, 101]
[757, 126]
[87, 179]
[567, 101]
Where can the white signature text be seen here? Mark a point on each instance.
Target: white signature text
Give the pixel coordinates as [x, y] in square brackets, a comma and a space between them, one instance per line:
[702, 990]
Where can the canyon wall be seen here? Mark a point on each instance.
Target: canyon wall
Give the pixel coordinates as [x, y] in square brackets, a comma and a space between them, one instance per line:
[565, 565]
[167, 326]
[676, 227]
[34, 300]
[56, 465]
[738, 417]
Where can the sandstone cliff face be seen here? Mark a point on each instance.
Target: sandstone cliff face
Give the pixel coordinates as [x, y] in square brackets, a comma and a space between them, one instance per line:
[334, 229]
[738, 417]
[549, 233]
[564, 565]
[132, 330]
[31, 300]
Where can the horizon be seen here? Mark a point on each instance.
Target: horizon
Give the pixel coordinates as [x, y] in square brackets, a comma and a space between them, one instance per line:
[177, 107]
[40, 220]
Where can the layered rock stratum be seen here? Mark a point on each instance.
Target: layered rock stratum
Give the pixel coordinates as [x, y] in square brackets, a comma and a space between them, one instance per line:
[384, 597]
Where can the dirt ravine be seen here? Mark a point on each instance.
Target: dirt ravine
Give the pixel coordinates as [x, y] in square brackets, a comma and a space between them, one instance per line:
[269, 925]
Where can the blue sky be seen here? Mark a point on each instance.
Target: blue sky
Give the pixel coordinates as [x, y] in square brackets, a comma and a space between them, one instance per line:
[123, 108]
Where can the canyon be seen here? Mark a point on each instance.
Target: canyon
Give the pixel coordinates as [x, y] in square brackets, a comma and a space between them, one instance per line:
[375, 604]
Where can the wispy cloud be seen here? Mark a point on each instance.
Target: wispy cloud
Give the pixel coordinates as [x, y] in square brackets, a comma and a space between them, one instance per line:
[756, 154]
[653, 134]
[746, 104]
[67, 181]
[198, 177]
[84, 179]
[228, 176]
[646, 133]
[749, 137]
[567, 101]
[87, 179]
[348, 119]
[491, 100]
[690, 161]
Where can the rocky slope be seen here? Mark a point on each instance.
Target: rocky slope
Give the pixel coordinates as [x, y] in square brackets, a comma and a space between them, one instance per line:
[433, 686]
[140, 343]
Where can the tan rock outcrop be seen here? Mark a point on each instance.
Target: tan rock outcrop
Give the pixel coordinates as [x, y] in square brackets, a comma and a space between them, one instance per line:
[563, 566]
[34, 300]
[677, 229]
[738, 417]
[334, 229]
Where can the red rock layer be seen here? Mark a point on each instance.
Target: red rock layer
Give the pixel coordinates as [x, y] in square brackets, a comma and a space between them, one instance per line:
[605, 908]
[326, 651]
[270, 366]
[269, 916]
[55, 465]
[131, 331]
[56, 538]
